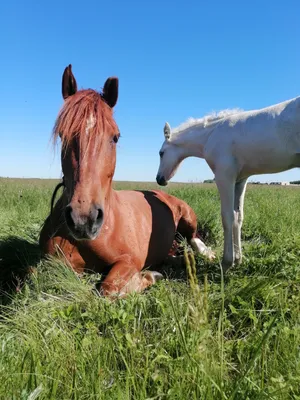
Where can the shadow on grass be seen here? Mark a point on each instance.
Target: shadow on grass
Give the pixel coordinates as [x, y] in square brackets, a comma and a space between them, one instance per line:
[17, 259]
[174, 268]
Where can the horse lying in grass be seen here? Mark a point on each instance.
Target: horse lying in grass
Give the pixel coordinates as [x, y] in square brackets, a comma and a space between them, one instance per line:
[235, 144]
[116, 233]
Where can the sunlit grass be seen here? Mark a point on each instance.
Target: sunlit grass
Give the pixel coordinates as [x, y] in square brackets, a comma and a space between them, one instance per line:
[201, 337]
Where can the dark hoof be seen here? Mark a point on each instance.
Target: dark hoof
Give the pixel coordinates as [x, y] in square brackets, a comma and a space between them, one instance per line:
[226, 266]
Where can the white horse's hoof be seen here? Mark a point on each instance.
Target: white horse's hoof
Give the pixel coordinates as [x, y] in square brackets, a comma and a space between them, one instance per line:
[238, 261]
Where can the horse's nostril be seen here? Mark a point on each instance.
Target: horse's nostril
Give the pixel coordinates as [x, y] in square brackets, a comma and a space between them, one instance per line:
[68, 216]
[99, 215]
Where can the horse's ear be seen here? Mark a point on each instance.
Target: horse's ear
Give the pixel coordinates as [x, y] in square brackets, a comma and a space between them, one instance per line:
[69, 85]
[111, 91]
[167, 131]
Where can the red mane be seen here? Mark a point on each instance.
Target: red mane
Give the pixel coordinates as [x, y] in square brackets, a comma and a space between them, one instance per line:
[73, 117]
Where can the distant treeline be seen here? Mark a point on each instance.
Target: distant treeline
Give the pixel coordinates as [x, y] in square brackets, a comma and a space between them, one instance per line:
[261, 183]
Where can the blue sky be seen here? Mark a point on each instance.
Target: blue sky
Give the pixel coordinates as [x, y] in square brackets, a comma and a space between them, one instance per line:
[174, 59]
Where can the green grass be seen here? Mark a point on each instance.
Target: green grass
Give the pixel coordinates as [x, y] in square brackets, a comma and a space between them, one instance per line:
[200, 337]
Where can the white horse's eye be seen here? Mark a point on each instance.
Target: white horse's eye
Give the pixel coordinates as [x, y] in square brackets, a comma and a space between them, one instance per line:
[161, 153]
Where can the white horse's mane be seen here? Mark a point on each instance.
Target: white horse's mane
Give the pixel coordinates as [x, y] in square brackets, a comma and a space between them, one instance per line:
[212, 117]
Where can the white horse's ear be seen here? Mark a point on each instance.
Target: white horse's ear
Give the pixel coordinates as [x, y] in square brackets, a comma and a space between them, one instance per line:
[167, 131]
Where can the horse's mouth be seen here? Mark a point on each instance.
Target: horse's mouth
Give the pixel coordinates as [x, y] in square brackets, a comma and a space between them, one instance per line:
[83, 238]
[83, 233]
[161, 180]
[165, 183]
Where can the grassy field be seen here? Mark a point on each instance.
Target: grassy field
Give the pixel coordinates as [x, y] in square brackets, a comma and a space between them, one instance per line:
[185, 338]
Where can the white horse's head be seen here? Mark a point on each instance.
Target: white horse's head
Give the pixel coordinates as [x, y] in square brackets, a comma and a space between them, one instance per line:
[171, 156]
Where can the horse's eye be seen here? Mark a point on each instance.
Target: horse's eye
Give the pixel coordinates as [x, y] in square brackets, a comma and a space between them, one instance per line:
[116, 138]
[161, 153]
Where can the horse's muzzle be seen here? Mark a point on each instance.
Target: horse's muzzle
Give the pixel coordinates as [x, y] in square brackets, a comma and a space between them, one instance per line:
[84, 226]
[161, 180]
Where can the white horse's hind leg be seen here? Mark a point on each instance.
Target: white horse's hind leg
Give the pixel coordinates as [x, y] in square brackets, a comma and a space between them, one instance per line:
[199, 247]
[226, 183]
[240, 190]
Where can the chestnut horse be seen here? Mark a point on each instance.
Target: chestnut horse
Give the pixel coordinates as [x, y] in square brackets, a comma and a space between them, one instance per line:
[116, 233]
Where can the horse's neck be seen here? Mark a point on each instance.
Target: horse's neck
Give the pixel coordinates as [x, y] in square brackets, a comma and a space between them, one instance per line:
[192, 141]
[111, 204]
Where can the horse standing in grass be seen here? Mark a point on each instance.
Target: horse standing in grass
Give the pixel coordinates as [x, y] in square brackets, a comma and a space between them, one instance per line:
[116, 233]
[235, 144]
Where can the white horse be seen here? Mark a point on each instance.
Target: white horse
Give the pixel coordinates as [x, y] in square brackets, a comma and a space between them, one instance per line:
[235, 144]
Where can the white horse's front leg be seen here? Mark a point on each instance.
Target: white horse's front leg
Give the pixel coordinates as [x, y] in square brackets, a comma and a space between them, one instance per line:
[240, 190]
[226, 186]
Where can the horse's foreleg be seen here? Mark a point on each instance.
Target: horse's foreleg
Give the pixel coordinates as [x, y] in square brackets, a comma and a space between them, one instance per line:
[240, 189]
[124, 278]
[199, 247]
[226, 185]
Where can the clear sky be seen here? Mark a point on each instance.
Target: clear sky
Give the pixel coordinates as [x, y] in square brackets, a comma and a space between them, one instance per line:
[174, 59]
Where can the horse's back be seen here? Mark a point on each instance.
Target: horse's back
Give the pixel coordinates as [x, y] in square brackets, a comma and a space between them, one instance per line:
[153, 205]
[255, 142]
[161, 202]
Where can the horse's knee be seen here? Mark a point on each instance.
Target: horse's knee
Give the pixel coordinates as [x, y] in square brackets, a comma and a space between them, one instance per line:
[138, 282]
[125, 276]
[186, 229]
[187, 225]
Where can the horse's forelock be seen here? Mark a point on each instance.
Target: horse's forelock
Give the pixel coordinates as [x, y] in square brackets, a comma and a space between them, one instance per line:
[75, 116]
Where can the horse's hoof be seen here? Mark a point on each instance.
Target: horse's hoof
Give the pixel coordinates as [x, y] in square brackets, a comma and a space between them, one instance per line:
[157, 276]
[238, 261]
[226, 266]
[153, 276]
[200, 248]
